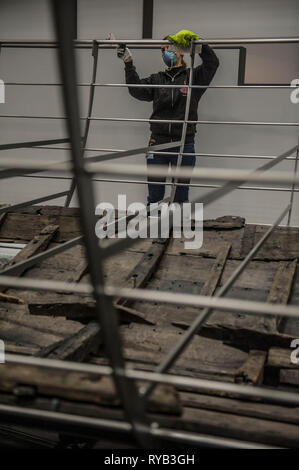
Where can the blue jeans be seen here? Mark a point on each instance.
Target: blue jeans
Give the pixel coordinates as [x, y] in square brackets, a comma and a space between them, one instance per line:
[156, 191]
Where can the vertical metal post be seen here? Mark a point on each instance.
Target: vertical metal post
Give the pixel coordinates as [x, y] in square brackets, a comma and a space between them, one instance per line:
[185, 125]
[106, 314]
[293, 187]
[95, 54]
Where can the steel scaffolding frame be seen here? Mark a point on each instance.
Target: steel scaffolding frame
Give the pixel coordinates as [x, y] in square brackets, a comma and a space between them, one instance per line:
[138, 423]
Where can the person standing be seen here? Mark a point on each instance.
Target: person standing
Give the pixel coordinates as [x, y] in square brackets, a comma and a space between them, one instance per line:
[170, 104]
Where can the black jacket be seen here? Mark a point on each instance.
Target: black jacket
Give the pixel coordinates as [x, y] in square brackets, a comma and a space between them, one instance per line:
[170, 103]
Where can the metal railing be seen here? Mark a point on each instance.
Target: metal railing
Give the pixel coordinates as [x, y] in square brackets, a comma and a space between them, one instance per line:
[83, 169]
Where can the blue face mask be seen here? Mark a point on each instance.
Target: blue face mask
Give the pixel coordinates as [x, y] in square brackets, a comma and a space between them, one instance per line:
[169, 58]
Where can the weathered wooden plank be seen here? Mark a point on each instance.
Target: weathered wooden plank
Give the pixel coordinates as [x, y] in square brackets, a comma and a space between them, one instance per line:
[76, 347]
[68, 266]
[11, 299]
[26, 226]
[252, 371]
[240, 330]
[216, 271]
[281, 358]
[38, 244]
[82, 310]
[128, 314]
[279, 293]
[247, 242]
[79, 386]
[205, 357]
[250, 331]
[265, 431]
[19, 328]
[25, 350]
[213, 241]
[282, 284]
[234, 426]
[282, 245]
[266, 411]
[289, 376]
[145, 268]
[47, 210]
[258, 274]
[2, 218]
[226, 222]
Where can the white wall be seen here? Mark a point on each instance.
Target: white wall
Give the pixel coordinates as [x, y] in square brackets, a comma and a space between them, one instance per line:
[217, 18]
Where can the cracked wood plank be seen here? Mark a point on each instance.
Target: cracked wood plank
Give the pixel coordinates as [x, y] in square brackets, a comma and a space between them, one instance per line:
[79, 386]
[205, 357]
[279, 293]
[252, 371]
[21, 329]
[272, 412]
[144, 269]
[281, 358]
[289, 376]
[38, 244]
[76, 347]
[226, 222]
[25, 226]
[247, 242]
[216, 272]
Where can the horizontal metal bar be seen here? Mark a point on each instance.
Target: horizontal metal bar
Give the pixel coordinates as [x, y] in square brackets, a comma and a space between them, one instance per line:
[135, 85]
[231, 184]
[267, 394]
[17, 145]
[192, 185]
[239, 123]
[223, 155]
[196, 154]
[167, 183]
[115, 42]
[149, 295]
[204, 174]
[77, 424]
[203, 41]
[12, 172]
[128, 153]
[33, 201]
[160, 121]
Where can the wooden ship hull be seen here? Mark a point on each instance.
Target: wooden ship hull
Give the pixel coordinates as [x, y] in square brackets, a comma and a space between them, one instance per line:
[230, 348]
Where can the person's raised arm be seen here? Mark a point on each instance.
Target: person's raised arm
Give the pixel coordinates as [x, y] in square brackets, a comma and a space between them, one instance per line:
[204, 73]
[132, 77]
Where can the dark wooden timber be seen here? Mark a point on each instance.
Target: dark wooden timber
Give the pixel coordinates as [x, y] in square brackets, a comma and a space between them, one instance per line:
[216, 271]
[279, 294]
[79, 386]
[230, 347]
[76, 347]
[248, 240]
[281, 358]
[145, 268]
[252, 371]
[38, 244]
